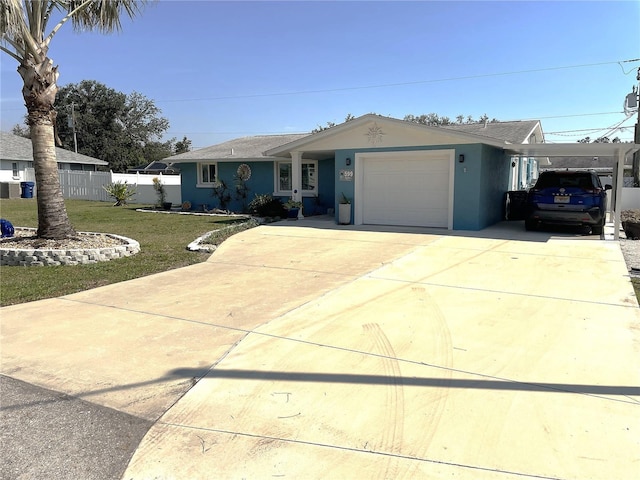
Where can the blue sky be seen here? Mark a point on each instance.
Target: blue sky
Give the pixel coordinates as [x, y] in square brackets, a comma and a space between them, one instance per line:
[220, 70]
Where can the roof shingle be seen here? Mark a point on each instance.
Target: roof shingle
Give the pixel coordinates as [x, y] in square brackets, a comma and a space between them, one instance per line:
[14, 147]
[512, 132]
[239, 148]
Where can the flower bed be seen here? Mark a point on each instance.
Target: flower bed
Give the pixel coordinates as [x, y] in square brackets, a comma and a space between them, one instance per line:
[631, 223]
[27, 250]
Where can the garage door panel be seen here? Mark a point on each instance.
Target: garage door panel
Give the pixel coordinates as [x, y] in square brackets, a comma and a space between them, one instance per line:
[410, 191]
[408, 217]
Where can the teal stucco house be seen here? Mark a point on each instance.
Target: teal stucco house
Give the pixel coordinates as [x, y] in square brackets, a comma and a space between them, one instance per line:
[394, 172]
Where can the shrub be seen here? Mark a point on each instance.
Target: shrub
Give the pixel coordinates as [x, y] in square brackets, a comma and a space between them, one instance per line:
[218, 236]
[267, 206]
[221, 192]
[120, 191]
[158, 186]
[630, 215]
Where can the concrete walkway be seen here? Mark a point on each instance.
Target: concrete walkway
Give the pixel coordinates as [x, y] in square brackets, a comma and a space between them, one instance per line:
[308, 350]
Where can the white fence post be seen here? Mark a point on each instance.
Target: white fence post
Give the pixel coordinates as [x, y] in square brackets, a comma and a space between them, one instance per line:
[630, 198]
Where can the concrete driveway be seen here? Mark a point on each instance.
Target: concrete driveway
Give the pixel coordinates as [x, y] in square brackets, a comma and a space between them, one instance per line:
[308, 350]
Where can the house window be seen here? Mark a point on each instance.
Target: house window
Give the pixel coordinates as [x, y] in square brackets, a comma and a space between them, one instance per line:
[14, 170]
[309, 177]
[206, 174]
[284, 177]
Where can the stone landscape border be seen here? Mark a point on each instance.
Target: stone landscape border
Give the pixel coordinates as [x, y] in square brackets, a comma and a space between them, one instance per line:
[31, 257]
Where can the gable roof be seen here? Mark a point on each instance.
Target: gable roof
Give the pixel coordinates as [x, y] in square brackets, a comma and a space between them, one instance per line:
[496, 134]
[300, 144]
[16, 148]
[269, 147]
[244, 148]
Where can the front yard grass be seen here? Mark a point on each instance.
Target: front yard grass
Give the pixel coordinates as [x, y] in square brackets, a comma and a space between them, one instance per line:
[636, 287]
[163, 240]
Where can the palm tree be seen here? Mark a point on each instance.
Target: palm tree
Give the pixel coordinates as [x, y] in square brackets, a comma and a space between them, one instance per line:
[23, 26]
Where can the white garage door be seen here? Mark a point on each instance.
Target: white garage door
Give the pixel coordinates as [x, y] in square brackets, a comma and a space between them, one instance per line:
[405, 188]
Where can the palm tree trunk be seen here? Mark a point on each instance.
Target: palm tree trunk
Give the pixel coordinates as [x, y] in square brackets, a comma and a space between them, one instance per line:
[53, 221]
[39, 93]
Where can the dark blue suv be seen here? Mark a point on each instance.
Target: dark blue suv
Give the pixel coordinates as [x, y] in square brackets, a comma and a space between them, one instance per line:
[567, 198]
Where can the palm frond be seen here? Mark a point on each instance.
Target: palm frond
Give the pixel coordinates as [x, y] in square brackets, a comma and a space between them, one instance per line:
[12, 19]
[17, 39]
[103, 15]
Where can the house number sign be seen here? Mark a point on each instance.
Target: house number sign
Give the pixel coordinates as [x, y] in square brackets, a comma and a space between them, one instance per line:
[346, 175]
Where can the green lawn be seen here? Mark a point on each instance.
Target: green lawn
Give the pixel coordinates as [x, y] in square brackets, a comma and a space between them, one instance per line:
[163, 240]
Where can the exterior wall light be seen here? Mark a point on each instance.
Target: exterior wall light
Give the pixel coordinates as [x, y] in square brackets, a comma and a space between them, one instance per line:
[461, 158]
[348, 161]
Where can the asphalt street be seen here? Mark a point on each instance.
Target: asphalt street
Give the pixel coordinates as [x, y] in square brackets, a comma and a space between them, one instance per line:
[46, 434]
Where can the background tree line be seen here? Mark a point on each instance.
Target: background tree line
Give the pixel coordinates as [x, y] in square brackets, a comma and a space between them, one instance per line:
[123, 130]
[431, 119]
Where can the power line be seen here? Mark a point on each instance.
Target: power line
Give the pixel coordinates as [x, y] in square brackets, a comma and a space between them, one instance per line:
[263, 132]
[609, 130]
[568, 116]
[399, 84]
[587, 130]
[560, 132]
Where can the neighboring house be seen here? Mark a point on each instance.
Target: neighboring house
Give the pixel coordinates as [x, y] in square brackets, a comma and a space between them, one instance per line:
[16, 154]
[155, 168]
[599, 164]
[603, 165]
[395, 172]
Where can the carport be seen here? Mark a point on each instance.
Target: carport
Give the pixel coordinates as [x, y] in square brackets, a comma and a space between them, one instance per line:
[619, 151]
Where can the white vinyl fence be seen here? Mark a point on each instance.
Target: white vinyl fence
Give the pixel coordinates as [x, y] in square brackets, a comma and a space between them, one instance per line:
[630, 198]
[88, 185]
[143, 184]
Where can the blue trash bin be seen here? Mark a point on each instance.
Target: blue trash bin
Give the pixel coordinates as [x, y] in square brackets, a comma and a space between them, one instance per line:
[26, 189]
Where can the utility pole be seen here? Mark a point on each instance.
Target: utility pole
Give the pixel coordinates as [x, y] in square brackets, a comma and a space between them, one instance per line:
[72, 124]
[636, 139]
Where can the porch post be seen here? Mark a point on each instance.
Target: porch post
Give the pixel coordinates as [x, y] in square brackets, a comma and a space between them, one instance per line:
[296, 180]
[619, 183]
[514, 164]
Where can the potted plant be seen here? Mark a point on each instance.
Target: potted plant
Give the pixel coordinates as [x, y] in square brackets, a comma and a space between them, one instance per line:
[344, 210]
[293, 208]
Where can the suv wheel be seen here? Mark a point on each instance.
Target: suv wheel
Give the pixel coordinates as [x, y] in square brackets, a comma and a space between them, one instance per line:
[597, 229]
